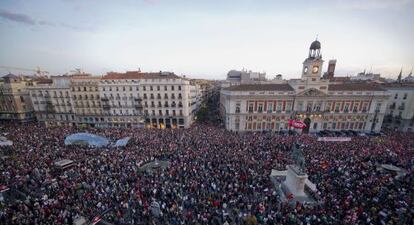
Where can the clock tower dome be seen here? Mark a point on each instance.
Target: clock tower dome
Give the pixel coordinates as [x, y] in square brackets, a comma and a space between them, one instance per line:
[312, 66]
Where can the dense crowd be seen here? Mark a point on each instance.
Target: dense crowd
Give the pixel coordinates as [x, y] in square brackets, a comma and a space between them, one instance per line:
[215, 177]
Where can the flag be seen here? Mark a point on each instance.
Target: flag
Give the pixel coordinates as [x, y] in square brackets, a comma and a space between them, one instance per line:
[96, 220]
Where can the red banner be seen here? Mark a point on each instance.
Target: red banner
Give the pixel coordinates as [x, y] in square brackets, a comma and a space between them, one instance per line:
[296, 124]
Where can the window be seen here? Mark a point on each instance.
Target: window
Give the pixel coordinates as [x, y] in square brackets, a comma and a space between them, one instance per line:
[260, 107]
[270, 107]
[396, 96]
[402, 106]
[250, 107]
[288, 107]
[317, 106]
[365, 107]
[346, 107]
[172, 88]
[309, 107]
[238, 107]
[279, 107]
[300, 106]
[378, 107]
[405, 96]
[179, 87]
[337, 106]
[355, 108]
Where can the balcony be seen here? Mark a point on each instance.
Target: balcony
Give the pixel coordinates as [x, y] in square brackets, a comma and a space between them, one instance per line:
[105, 99]
[106, 107]
[138, 106]
[401, 107]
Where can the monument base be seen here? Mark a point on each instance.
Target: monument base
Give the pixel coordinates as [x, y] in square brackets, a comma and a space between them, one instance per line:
[291, 185]
[295, 181]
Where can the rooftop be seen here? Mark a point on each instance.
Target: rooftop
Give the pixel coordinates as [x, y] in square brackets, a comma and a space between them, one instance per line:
[260, 87]
[139, 75]
[354, 86]
[398, 85]
[10, 76]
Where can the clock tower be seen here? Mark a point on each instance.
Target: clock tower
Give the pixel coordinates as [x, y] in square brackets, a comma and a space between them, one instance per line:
[312, 66]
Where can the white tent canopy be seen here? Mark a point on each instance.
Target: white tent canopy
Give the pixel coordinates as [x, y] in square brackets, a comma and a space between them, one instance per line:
[86, 138]
[5, 142]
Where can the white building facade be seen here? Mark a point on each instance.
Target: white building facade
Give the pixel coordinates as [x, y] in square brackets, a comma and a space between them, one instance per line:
[400, 108]
[320, 105]
[132, 99]
[151, 100]
[52, 101]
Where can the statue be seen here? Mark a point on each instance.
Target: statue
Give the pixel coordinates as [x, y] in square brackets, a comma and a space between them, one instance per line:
[299, 158]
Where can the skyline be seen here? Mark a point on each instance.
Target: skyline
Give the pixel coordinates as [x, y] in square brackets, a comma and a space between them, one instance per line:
[206, 39]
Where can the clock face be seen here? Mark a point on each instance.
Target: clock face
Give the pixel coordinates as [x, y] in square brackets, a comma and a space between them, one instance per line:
[315, 69]
[305, 70]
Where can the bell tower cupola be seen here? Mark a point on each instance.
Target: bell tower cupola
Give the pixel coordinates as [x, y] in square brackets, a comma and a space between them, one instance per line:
[312, 66]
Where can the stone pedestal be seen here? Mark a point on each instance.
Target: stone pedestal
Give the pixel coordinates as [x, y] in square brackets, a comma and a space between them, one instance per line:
[295, 181]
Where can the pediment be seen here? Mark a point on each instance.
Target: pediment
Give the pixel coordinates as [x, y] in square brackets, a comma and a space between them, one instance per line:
[311, 92]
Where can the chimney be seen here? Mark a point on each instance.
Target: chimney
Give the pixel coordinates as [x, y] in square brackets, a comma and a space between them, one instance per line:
[331, 69]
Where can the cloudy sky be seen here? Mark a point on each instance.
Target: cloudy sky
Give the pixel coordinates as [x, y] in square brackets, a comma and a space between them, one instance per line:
[206, 38]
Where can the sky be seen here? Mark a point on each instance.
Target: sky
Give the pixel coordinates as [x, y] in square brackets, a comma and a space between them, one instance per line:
[206, 39]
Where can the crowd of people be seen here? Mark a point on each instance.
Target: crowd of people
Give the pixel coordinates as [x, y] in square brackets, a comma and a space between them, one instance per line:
[215, 177]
